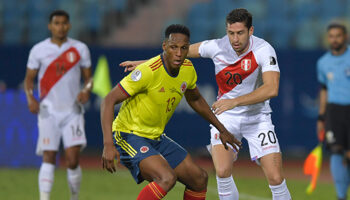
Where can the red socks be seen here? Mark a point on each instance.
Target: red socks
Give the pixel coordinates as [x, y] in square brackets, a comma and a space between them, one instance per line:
[192, 195]
[152, 191]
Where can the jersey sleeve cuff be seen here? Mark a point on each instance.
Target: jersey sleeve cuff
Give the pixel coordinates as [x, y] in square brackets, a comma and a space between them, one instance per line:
[124, 91]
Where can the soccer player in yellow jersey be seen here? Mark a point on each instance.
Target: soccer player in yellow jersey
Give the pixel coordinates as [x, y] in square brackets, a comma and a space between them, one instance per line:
[150, 95]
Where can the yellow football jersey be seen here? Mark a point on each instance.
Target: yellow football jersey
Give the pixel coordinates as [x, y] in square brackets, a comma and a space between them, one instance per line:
[153, 96]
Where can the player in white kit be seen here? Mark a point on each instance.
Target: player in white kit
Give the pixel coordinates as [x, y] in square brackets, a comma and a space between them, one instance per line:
[59, 62]
[247, 75]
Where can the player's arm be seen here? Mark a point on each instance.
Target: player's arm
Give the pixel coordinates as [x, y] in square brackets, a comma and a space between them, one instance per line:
[198, 104]
[33, 104]
[267, 90]
[84, 94]
[115, 96]
[131, 65]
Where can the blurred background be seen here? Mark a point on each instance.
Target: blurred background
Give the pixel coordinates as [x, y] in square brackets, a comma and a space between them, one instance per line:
[133, 29]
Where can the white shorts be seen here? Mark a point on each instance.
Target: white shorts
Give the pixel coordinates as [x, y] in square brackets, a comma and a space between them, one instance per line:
[257, 129]
[53, 127]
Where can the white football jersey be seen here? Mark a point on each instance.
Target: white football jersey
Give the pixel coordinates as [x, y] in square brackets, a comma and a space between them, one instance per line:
[59, 72]
[240, 75]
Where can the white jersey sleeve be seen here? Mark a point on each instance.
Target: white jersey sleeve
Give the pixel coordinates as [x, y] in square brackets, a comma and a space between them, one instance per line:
[267, 59]
[85, 57]
[208, 49]
[33, 60]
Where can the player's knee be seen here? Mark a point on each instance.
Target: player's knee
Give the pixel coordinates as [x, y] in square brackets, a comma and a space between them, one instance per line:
[275, 179]
[49, 157]
[72, 163]
[223, 172]
[201, 181]
[168, 179]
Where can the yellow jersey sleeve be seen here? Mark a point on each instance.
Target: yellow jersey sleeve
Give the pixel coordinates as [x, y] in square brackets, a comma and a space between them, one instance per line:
[137, 81]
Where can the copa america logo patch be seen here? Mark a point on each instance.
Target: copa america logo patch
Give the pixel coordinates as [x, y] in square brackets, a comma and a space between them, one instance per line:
[71, 57]
[144, 149]
[246, 64]
[136, 75]
[183, 87]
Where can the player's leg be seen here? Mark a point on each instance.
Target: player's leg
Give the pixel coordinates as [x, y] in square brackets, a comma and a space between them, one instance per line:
[141, 157]
[74, 141]
[271, 164]
[193, 177]
[74, 173]
[223, 159]
[47, 146]
[336, 138]
[223, 162]
[161, 176]
[263, 145]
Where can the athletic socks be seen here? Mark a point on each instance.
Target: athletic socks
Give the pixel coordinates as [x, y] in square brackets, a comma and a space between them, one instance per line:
[280, 192]
[227, 188]
[74, 180]
[152, 191]
[46, 177]
[192, 195]
[340, 175]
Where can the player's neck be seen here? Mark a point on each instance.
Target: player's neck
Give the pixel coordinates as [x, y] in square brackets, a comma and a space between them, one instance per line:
[340, 51]
[58, 41]
[171, 71]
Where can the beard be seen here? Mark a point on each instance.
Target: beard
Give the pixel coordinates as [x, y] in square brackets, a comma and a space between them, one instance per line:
[337, 46]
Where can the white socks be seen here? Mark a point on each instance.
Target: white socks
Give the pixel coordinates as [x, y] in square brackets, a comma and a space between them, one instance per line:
[280, 192]
[74, 179]
[46, 177]
[227, 188]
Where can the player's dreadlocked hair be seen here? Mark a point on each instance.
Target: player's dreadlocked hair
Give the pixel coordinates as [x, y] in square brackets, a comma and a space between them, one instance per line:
[337, 25]
[240, 15]
[58, 13]
[177, 28]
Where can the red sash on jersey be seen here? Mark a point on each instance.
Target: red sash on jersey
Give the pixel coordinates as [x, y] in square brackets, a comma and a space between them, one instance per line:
[55, 71]
[234, 74]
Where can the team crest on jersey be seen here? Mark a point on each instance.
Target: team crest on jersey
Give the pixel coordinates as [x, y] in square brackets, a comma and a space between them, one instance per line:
[71, 56]
[136, 75]
[183, 87]
[246, 64]
[144, 149]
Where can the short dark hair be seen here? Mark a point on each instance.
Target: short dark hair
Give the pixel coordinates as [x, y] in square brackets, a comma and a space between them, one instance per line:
[177, 28]
[58, 13]
[240, 15]
[337, 25]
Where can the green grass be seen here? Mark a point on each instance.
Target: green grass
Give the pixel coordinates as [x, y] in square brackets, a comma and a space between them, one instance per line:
[21, 184]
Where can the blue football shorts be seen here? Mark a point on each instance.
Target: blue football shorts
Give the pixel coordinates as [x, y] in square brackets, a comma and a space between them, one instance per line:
[133, 149]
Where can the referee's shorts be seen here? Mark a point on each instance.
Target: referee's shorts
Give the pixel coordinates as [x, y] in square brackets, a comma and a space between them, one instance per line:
[338, 126]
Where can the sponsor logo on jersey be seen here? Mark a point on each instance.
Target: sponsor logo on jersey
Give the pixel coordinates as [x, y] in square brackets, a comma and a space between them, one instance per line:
[183, 87]
[330, 76]
[136, 75]
[216, 136]
[272, 60]
[246, 64]
[71, 56]
[162, 89]
[144, 149]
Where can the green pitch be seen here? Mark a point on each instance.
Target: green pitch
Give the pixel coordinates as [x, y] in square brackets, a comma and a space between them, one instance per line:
[20, 184]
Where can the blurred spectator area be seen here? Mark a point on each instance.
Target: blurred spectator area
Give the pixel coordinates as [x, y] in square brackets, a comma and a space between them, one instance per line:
[139, 23]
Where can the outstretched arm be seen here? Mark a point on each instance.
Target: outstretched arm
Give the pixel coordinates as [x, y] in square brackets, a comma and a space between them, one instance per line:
[198, 103]
[131, 65]
[33, 104]
[268, 90]
[115, 96]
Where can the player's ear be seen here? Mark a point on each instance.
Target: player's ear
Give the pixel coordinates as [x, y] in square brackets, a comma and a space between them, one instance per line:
[251, 30]
[164, 45]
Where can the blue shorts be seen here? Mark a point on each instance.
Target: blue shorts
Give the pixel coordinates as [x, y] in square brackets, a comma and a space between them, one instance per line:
[133, 149]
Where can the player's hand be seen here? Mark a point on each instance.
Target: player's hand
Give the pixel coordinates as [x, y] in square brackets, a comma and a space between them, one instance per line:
[83, 96]
[108, 156]
[320, 130]
[33, 105]
[227, 137]
[223, 105]
[129, 65]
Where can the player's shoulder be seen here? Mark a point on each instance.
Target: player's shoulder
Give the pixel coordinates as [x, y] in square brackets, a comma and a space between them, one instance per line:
[76, 43]
[324, 58]
[259, 44]
[152, 64]
[41, 45]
